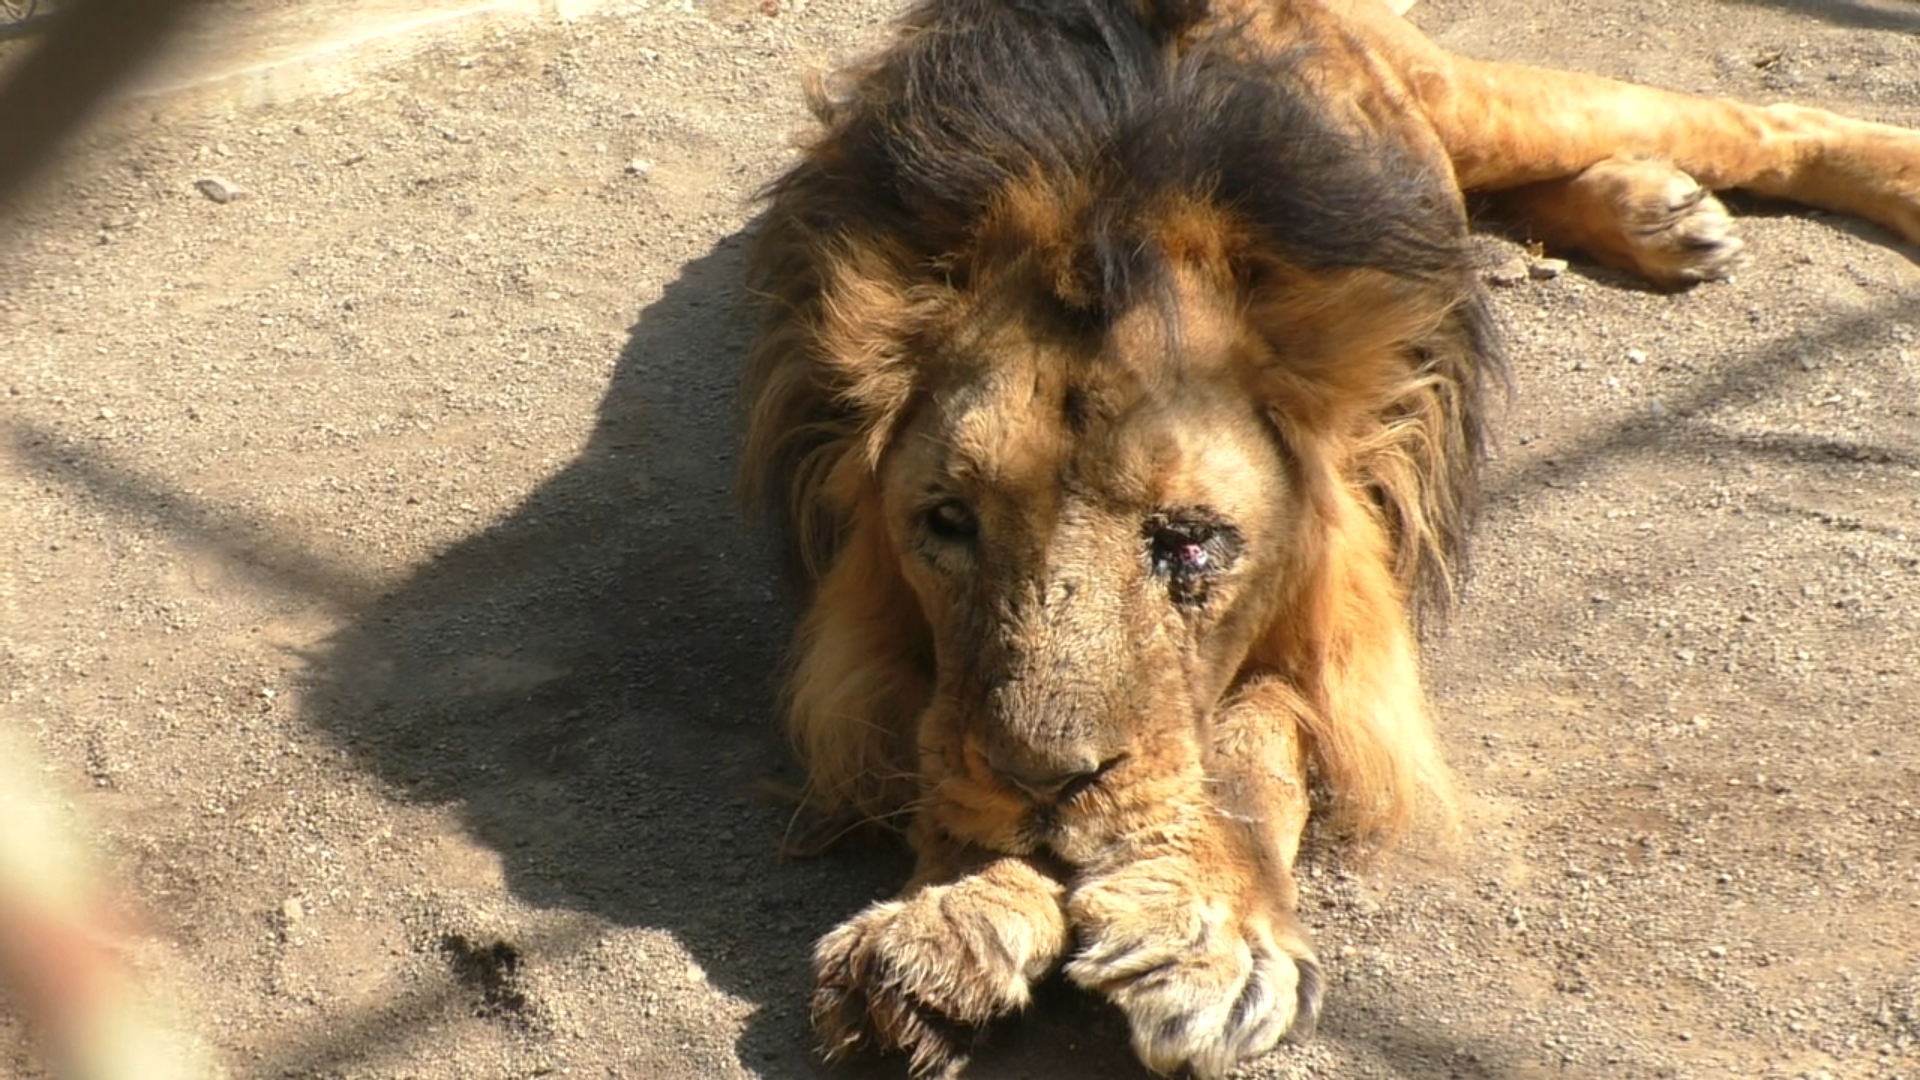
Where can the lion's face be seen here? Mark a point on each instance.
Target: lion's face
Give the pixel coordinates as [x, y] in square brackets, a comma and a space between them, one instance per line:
[1093, 522]
[1089, 425]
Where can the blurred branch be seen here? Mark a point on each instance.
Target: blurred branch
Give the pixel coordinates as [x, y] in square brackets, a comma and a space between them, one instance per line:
[89, 47]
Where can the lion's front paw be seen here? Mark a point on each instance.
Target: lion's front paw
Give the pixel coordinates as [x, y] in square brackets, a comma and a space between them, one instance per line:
[918, 975]
[1202, 985]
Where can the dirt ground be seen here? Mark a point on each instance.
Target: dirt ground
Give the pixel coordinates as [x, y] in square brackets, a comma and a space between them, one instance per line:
[369, 579]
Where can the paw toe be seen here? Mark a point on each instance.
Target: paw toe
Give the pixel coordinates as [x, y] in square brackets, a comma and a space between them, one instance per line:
[1683, 194]
[863, 999]
[1691, 240]
[920, 977]
[1207, 1005]
[1312, 988]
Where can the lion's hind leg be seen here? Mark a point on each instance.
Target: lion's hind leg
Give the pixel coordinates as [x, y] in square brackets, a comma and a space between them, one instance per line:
[1506, 126]
[920, 974]
[1634, 213]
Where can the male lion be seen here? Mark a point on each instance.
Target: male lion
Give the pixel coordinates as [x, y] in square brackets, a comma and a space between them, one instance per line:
[1120, 395]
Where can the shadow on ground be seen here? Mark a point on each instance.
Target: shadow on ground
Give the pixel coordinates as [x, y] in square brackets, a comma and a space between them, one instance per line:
[591, 681]
[1858, 14]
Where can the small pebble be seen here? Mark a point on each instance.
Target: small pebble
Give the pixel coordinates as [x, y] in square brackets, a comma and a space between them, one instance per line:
[1511, 272]
[220, 189]
[1546, 269]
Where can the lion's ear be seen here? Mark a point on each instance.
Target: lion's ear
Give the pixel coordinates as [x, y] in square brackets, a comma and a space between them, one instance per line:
[1343, 347]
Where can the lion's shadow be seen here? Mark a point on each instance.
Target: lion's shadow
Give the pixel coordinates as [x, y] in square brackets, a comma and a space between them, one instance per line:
[591, 682]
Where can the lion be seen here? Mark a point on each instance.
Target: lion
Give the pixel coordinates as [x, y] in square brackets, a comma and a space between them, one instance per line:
[1120, 396]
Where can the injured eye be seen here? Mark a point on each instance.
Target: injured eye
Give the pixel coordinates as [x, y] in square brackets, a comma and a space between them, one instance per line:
[1188, 550]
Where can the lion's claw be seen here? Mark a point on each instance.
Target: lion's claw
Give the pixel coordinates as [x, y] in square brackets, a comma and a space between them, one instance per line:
[920, 975]
[1201, 987]
[856, 1008]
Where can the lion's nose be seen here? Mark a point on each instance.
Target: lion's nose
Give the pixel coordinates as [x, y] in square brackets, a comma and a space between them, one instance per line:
[1044, 777]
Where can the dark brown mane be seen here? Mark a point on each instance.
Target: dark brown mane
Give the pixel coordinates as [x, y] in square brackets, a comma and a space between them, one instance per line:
[1114, 114]
[978, 95]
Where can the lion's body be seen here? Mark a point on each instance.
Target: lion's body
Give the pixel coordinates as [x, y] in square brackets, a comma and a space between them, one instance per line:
[1120, 398]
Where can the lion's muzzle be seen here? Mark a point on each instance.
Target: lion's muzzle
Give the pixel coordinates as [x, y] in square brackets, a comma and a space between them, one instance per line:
[1049, 779]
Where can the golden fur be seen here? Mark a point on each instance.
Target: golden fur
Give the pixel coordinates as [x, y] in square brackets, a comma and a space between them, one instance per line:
[1119, 398]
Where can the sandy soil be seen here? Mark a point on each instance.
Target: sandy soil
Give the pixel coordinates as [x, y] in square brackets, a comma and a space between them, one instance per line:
[368, 577]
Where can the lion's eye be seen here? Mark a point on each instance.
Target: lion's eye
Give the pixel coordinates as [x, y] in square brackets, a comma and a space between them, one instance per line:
[1189, 554]
[952, 521]
[1183, 551]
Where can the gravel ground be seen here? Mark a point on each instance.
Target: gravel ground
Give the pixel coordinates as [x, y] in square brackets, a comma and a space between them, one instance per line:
[368, 578]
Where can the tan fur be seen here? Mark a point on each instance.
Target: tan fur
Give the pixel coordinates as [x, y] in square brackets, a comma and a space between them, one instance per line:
[1112, 511]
